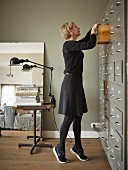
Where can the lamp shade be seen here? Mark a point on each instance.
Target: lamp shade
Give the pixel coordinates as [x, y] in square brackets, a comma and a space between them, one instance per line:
[26, 67]
[14, 61]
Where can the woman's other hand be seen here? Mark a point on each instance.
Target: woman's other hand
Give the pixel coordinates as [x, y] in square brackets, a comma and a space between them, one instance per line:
[94, 28]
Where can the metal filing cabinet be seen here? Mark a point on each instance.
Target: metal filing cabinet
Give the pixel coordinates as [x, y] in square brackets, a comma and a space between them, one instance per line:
[112, 86]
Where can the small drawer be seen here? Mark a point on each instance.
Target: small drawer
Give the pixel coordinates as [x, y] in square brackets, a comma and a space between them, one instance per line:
[106, 126]
[112, 30]
[119, 96]
[112, 52]
[101, 85]
[119, 72]
[112, 92]
[110, 74]
[112, 113]
[104, 73]
[108, 90]
[119, 5]
[102, 139]
[108, 53]
[106, 146]
[106, 17]
[102, 50]
[119, 48]
[101, 105]
[111, 157]
[119, 121]
[118, 165]
[100, 70]
[112, 7]
[100, 60]
[101, 98]
[119, 22]
[118, 147]
[112, 133]
[104, 58]
[107, 108]
[101, 118]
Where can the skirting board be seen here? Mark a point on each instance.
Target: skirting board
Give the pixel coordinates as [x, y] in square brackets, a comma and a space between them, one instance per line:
[84, 134]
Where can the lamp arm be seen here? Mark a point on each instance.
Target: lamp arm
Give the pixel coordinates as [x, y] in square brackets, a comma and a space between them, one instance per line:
[51, 68]
[36, 66]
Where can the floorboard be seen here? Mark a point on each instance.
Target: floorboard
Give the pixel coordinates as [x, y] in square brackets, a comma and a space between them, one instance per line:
[14, 158]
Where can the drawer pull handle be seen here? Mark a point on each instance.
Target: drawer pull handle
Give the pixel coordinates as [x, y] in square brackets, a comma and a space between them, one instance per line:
[111, 32]
[111, 12]
[117, 123]
[112, 95]
[118, 99]
[112, 115]
[106, 19]
[105, 128]
[118, 50]
[102, 138]
[117, 74]
[118, 3]
[103, 56]
[112, 136]
[117, 147]
[118, 26]
[118, 163]
[105, 73]
[112, 157]
[106, 147]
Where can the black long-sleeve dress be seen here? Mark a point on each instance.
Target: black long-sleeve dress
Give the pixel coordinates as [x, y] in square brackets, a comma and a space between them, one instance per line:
[72, 97]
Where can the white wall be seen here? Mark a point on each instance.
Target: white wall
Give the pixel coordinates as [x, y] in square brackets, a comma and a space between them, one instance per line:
[40, 20]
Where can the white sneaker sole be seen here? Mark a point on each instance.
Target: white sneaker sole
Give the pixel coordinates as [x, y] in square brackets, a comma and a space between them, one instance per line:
[54, 151]
[77, 155]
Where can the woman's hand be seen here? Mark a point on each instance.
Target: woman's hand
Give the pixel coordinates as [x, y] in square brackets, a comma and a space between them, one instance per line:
[94, 28]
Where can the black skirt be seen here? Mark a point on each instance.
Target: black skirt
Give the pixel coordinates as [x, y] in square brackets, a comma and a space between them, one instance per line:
[72, 97]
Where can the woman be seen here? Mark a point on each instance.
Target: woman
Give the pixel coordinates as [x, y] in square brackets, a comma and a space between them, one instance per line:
[72, 98]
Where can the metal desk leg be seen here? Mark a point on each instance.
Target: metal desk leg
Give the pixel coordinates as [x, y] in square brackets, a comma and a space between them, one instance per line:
[36, 141]
[21, 144]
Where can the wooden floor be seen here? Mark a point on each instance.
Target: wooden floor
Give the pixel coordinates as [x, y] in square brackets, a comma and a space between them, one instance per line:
[14, 158]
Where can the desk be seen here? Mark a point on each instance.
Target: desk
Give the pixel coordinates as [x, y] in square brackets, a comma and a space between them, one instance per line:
[45, 106]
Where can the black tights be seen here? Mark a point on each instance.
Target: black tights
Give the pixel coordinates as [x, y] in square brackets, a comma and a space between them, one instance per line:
[76, 129]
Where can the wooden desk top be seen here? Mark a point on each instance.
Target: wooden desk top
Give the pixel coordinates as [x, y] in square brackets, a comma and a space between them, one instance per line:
[45, 106]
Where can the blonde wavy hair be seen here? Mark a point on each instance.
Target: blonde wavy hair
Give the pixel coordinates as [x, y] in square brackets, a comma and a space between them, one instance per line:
[65, 30]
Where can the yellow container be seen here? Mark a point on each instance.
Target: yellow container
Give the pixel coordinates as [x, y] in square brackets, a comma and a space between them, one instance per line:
[103, 34]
